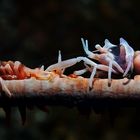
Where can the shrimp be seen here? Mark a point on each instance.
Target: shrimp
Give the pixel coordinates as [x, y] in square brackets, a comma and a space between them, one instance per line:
[108, 61]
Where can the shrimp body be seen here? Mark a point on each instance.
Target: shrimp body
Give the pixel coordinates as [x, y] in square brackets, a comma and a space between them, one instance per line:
[109, 61]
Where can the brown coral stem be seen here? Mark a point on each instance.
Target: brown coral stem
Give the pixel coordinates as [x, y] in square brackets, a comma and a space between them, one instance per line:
[68, 91]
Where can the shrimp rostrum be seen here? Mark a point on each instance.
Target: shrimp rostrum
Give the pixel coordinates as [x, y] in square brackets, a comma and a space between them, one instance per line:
[109, 62]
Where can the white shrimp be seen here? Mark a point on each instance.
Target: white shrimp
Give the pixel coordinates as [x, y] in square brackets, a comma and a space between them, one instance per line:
[106, 57]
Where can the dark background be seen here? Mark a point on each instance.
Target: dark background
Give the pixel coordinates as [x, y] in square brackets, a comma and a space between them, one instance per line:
[33, 31]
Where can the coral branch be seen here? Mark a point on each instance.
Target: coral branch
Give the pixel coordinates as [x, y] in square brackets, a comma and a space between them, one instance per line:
[71, 91]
